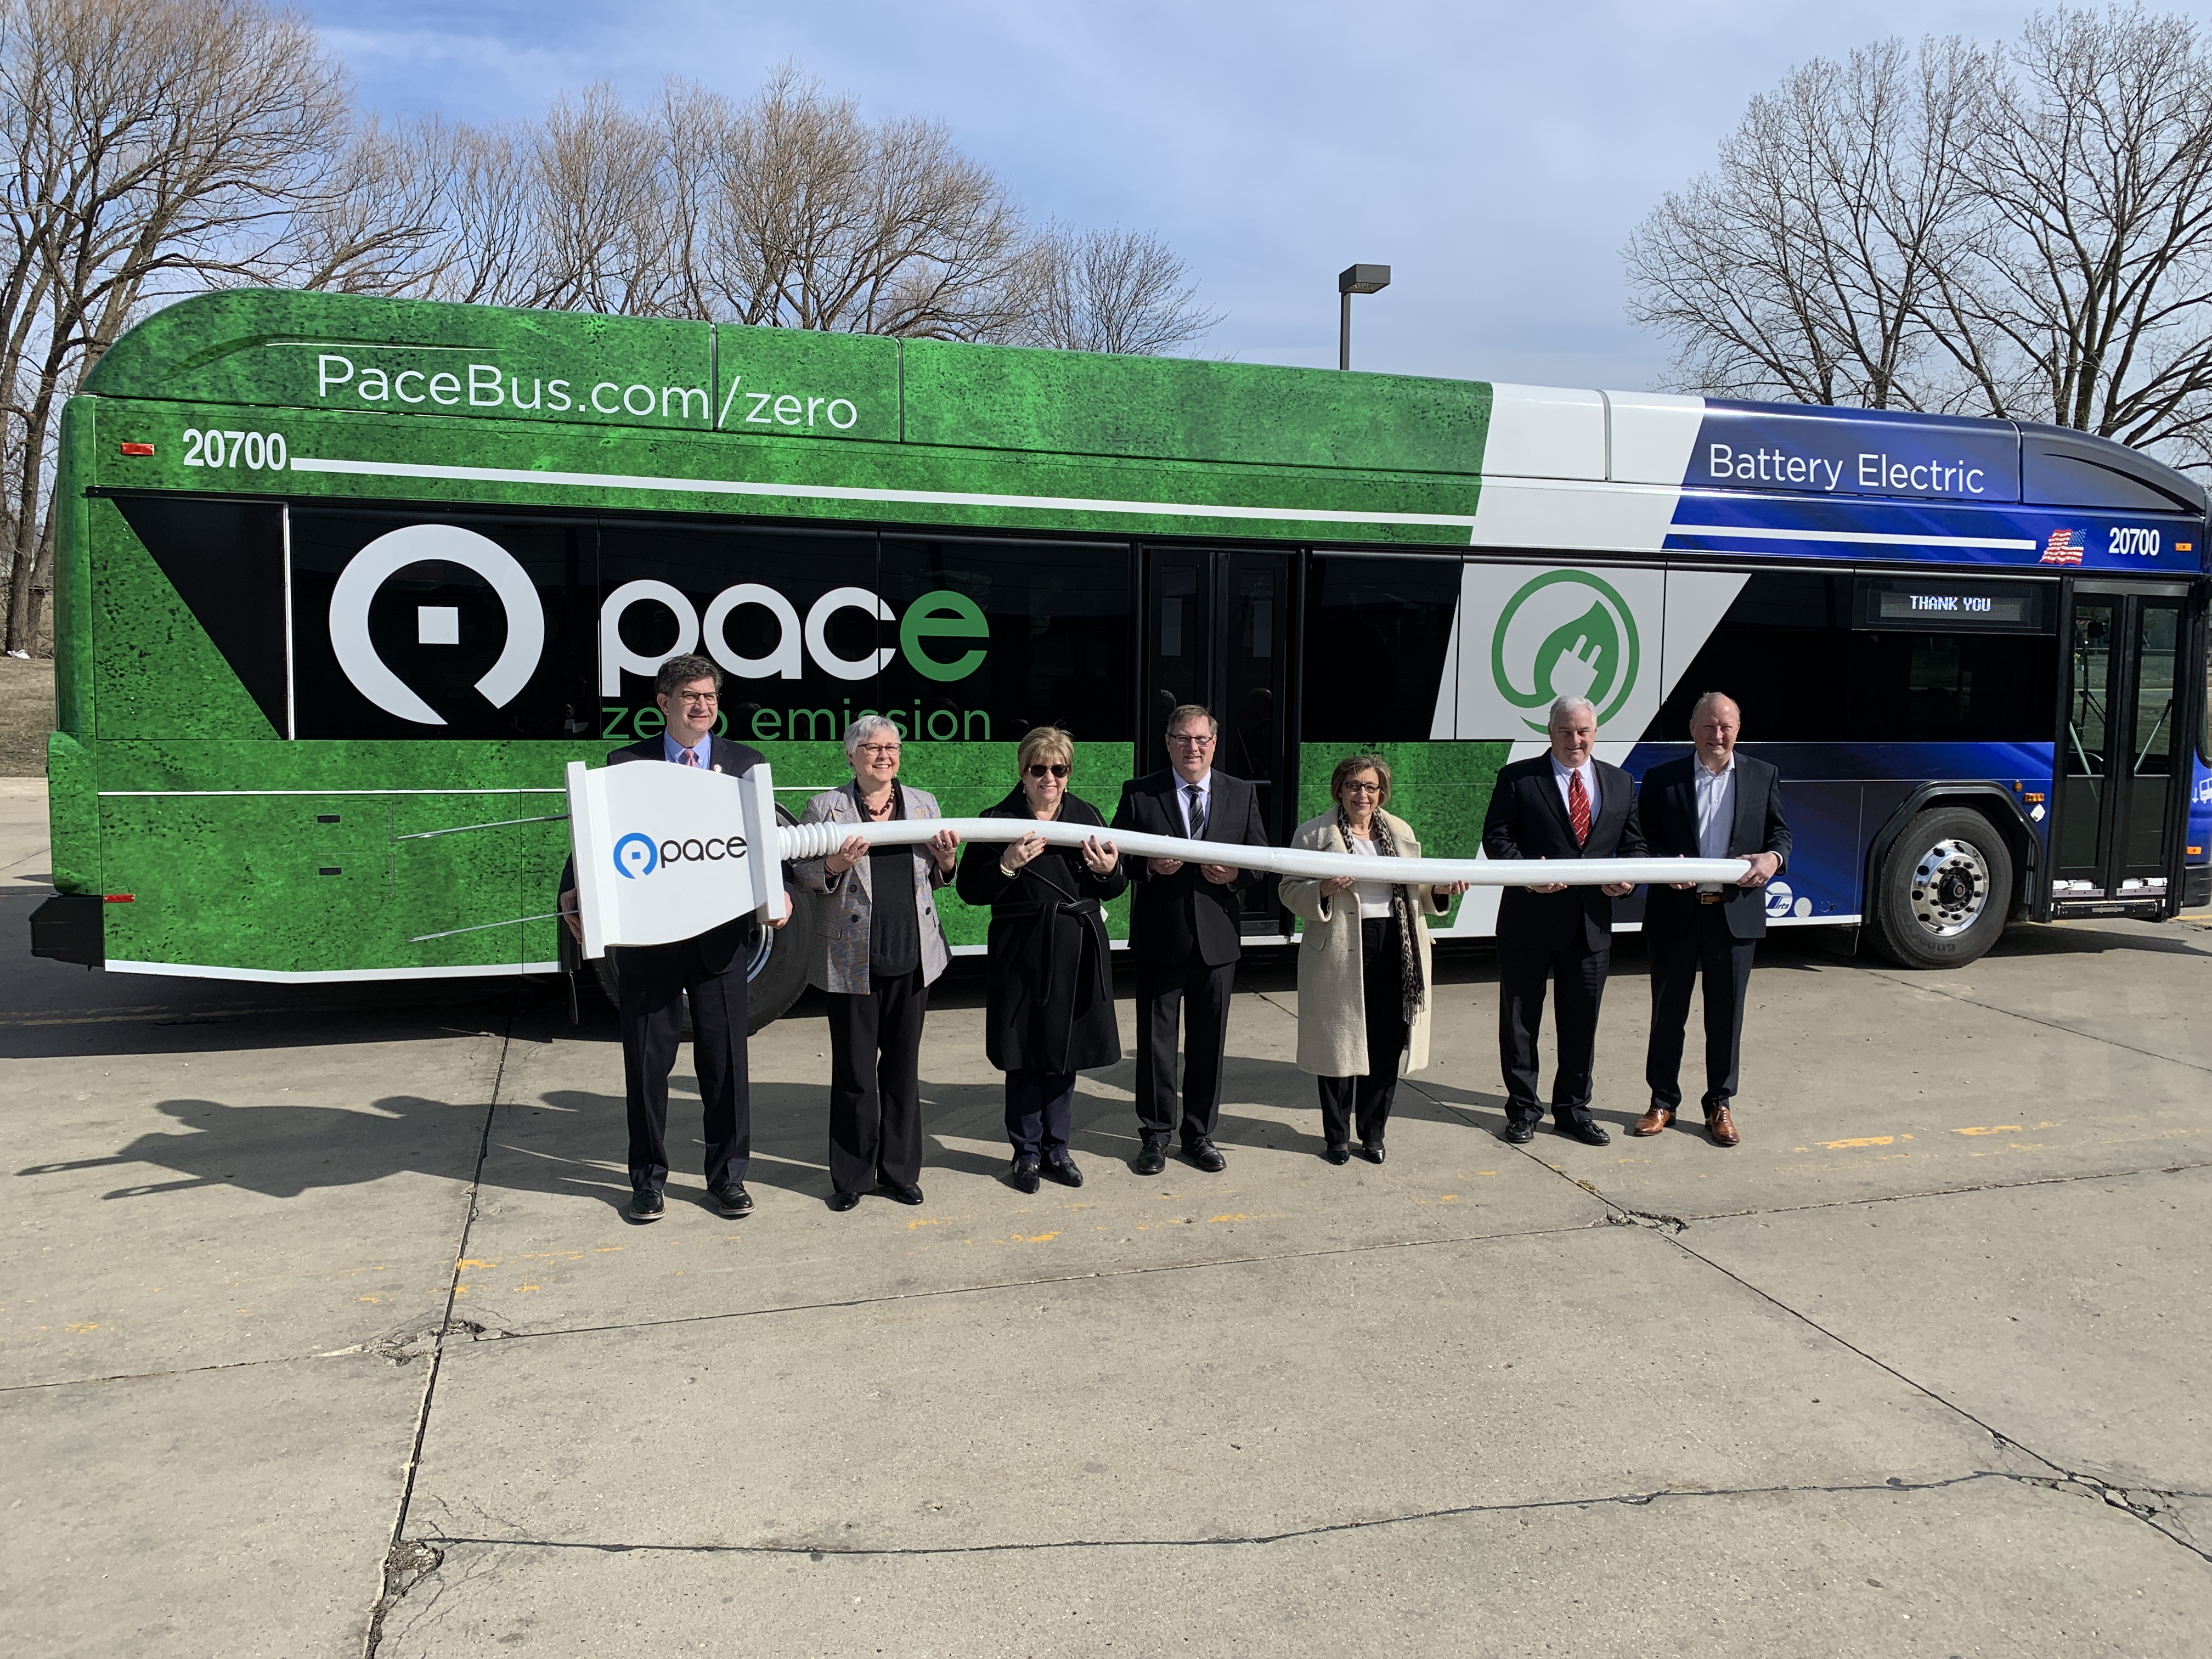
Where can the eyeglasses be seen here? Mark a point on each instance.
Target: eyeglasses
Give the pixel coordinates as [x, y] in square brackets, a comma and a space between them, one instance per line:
[1194, 740]
[878, 749]
[1057, 770]
[698, 697]
[1363, 788]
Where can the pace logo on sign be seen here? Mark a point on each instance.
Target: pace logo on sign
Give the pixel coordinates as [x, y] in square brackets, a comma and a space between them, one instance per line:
[368, 571]
[639, 854]
[943, 615]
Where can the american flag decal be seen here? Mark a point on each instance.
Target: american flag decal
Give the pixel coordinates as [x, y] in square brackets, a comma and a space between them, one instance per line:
[2064, 547]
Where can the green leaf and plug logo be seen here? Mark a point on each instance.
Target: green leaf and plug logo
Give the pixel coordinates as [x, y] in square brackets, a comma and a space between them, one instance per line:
[1595, 654]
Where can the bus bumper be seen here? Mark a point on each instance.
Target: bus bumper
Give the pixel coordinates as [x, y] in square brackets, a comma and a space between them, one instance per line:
[70, 927]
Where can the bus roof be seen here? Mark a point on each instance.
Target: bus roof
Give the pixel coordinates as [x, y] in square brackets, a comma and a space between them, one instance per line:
[258, 348]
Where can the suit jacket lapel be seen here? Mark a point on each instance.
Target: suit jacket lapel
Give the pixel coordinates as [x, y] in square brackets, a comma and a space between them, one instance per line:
[1547, 784]
[1747, 831]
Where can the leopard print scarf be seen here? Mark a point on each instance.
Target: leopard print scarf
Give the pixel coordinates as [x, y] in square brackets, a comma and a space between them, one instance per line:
[1414, 990]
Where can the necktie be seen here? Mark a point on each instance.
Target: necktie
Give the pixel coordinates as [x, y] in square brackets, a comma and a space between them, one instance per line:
[1578, 806]
[1194, 815]
[691, 757]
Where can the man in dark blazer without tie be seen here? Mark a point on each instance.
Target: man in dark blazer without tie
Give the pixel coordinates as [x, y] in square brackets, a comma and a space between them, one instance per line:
[1184, 939]
[652, 979]
[1714, 803]
[1564, 805]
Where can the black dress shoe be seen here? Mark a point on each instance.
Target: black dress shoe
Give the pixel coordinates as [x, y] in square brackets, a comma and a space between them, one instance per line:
[1518, 1134]
[1206, 1155]
[1586, 1132]
[645, 1205]
[1024, 1176]
[842, 1202]
[1337, 1154]
[1153, 1159]
[1372, 1152]
[901, 1192]
[731, 1203]
[1063, 1170]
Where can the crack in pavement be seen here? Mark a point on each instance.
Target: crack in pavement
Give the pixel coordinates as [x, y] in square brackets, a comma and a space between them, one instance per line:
[438, 1543]
[1950, 1192]
[2032, 1019]
[402, 1567]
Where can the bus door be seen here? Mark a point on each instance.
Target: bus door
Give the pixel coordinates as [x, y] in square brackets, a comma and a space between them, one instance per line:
[2119, 748]
[1218, 631]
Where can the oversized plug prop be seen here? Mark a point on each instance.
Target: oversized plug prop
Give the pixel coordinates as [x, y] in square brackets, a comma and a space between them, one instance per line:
[665, 853]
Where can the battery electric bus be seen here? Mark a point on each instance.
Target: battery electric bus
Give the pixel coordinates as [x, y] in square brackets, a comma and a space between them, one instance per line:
[342, 583]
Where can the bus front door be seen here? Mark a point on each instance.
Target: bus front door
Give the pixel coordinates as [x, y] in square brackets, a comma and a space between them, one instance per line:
[2113, 845]
[1218, 628]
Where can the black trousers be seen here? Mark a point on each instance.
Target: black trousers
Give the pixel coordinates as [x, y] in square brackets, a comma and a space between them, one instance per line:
[1365, 1101]
[1040, 1111]
[1162, 994]
[1523, 972]
[652, 979]
[875, 1084]
[1680, 953]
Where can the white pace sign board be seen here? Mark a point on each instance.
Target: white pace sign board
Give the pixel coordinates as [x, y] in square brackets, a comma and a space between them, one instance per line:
[671, 852]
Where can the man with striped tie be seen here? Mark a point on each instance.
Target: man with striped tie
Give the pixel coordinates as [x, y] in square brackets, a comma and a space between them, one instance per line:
[1564, 805]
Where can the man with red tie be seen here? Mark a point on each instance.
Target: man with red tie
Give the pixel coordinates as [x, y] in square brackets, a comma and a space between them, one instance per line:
[1564, 805]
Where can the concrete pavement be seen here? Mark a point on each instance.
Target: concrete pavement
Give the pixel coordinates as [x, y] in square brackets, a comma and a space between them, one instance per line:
[325, 1333]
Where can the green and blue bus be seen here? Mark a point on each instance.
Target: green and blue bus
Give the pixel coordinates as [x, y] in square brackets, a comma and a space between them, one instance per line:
[337, 578]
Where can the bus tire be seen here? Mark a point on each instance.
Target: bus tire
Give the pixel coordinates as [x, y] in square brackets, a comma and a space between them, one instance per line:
[777, 979]
[1944, 890]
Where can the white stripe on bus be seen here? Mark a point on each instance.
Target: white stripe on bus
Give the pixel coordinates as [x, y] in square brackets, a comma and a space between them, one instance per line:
[838, 493]
[1744, 532]
[326, 977]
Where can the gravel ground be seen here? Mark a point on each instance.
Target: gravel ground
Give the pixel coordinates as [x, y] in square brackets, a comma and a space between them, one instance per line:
[26, 715]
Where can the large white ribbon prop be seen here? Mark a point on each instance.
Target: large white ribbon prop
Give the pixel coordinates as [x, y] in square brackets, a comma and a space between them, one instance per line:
[664, 852]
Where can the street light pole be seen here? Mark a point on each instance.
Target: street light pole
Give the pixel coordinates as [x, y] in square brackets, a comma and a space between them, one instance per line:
[1354, 279]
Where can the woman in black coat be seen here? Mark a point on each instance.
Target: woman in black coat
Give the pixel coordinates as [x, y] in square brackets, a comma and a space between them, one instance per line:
[1051, 1006]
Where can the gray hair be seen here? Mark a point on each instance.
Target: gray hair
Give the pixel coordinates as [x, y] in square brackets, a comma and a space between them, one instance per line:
[864, 728]
[1567, 706]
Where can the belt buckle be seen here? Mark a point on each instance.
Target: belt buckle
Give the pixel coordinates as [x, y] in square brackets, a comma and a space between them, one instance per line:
[1710, 899]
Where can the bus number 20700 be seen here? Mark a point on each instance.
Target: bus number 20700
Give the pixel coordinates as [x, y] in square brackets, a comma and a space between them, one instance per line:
[259, 451]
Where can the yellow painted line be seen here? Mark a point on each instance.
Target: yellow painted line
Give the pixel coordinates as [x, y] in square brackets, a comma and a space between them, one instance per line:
[1864, 1140]
[1033, 1238]
[1991, 1129]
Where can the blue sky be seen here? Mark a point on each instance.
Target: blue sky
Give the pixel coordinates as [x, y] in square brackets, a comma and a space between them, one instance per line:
[1495, 156]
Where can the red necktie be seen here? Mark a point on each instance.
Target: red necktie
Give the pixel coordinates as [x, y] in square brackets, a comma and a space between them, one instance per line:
[1578, 806]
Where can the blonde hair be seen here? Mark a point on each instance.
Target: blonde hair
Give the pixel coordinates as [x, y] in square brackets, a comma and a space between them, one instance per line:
[1046, 744]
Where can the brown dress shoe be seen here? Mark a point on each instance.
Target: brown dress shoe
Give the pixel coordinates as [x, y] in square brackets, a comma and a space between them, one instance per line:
[1721, 1126]
[1652, 1121]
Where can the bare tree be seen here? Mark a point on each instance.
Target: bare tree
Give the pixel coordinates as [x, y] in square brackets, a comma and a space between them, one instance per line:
[150, 147]
[825, 221]
[1111, 290]
[2021, 232]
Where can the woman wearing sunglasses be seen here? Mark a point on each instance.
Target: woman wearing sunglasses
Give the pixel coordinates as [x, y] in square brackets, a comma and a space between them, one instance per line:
[1051, 1001]
[1363, 980]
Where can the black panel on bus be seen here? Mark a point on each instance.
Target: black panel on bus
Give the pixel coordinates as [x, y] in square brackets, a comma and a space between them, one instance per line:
[1377, 630]
[1811, 657]
[2060, 467]
[225, 559]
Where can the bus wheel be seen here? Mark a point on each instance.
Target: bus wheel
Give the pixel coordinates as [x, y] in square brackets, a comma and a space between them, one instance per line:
[1943, 890]
[775, 975]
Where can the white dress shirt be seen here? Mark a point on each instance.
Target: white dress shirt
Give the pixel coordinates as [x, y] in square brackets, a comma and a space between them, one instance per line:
[1561, 773]
[1205, 787]
[1715, 812]
[1374, 897]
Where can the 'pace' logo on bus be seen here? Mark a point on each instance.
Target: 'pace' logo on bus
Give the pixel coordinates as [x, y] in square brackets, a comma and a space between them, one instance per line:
[1566, 634]
[639, 854]
[386, 557]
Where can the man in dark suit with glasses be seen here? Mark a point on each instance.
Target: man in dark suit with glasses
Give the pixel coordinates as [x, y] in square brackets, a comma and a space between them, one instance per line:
[1184, 936]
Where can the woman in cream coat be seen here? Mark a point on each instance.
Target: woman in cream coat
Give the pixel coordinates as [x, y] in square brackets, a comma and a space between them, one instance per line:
[1365, 986]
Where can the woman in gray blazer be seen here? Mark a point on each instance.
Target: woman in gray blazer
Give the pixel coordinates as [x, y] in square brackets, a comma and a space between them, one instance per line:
[876, 949]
